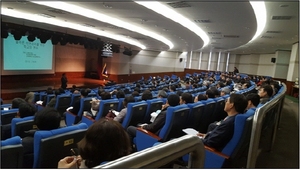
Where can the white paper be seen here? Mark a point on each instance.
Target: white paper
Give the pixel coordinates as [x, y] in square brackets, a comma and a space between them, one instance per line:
[5, 108]
[115, 112]
[39, 102]
[69, 108]
[190, 131]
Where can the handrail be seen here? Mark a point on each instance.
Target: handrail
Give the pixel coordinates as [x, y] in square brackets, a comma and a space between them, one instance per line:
[159, 155]
[259, 115]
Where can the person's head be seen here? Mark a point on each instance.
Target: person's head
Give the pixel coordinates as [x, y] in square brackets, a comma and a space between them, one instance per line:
[15, 103]
[235, 104]
[137, 89]
[224, 91]
[105, 140]
[84, 92]
[147, 95]
[100, 91]
[25, 110]
[186, 98]
[265, 91]
[74, 86]
[215, 90]
[29, 97]
[172, 88]
[246, 85]
[47, 119]
[120, 94]
[135, 94]
[173, 100]
[49, 90]
[253, 100]
[162, 94]
[105, 95]
[57, 92]
[210, 93]
[200, 97]
[128, 99]
[63, 74]
[61, 90]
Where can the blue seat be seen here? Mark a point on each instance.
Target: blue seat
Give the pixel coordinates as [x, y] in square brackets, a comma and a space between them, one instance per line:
[216, 159]
[52, 145]
[153, 106]
[62, 103]
[85, 105]
[20, 125]
[135, 114]
[8, 115]
[5, 106]
[104, 107]
[195, 115]
[207, 114]
[12, 153]
[120, 106]
[219, 113]
[176, 120]
[74, 97]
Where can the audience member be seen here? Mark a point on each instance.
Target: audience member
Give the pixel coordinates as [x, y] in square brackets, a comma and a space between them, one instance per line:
[122, 114]
[45, 119]
[105, 140]
[52, 102]
[221, 134]
[224, 91]
[161, 94]
[200, 97]
[186, 98]
[15, 103]
[253, 100]
[29, 98]
[147, 95]
[265, 92]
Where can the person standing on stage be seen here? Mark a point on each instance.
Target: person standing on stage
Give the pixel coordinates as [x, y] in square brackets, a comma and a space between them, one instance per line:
[64, 81]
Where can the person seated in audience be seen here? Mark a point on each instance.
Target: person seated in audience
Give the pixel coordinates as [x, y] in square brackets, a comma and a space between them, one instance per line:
[105, 140]
[45, 119]
[186, 98]
[135, 94]
[224, 91]
[215, 91]
[210, 94]
[147, 95]
[121, 115]
[253, 100]
[200, 97]
[61, 90]
[29, 98]
[219, 136]
[246, 85]
[15, 103]
[120, 94]
[159, 121]
[25, 110]
[52, 102]
[172, 88]
[265, 92]
[74, 87]
[162, 94]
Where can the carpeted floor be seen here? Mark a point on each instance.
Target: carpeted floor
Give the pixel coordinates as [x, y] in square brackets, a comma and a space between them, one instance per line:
[285, 153]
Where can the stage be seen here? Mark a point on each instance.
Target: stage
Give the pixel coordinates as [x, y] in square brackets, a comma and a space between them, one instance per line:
[20, 89]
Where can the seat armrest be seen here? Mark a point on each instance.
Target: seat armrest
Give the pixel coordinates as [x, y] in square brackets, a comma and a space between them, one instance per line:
[213, 150]
[149, 133]
[88, 120]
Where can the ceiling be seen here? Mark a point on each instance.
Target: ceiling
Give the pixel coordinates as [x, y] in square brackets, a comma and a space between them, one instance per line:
[230, 25]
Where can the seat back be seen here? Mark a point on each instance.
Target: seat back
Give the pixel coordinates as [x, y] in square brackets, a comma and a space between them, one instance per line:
[85, 105]
[62, 103]
[74, 97]
[135, 114]
[207, 115]
[8, 115]
[239, 126]
[195, 115]
[105, 106]
[120, 106]
[176, 120]
[153, 106]
[219, 112]
[53, 145]
[12, 153]
[49, 97]
[20, 125]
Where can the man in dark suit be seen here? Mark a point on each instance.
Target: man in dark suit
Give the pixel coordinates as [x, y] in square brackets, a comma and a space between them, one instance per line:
[222, 134]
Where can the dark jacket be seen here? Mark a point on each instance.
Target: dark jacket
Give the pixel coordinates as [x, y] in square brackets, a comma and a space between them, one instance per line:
[28, 146]
[76, 107]
[158, 123]
[221, 135]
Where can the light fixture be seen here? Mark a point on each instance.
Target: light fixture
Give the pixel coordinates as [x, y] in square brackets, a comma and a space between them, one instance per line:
[61, 23]
[260, 12]
[177, 17]
[104, 18]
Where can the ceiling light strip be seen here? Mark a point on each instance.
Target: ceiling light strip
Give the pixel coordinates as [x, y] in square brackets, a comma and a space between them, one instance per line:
[53, 21]
[103, 18]
[177, 17]
[260, 12]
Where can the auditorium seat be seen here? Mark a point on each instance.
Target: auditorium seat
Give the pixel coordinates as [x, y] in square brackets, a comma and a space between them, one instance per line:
[74, 97]
[153, 106]
[120, 106]
[195, 115]
[12, 153]
[135, 114]
[207, 114]
[214, 158]
[176, 120]
[62, 103]
[85, 105]
[104, 107]
[20, 125]
[52, 145]
[8, 115]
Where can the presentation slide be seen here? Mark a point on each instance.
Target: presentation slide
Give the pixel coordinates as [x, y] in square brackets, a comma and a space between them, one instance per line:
[27, 56]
